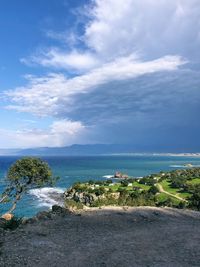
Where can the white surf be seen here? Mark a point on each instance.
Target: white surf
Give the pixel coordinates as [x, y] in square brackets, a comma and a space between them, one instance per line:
[48, 196]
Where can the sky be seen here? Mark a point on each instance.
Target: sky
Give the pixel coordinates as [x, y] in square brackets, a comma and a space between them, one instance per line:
[100, 71]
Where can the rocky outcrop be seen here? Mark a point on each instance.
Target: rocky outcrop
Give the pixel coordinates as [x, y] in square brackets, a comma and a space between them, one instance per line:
[82, 197]
[87, 198]
[120, 175]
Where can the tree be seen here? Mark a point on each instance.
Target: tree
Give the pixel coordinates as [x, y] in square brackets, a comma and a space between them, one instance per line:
[194, 201]
[153, 190]
[124, 183]
[26, 173]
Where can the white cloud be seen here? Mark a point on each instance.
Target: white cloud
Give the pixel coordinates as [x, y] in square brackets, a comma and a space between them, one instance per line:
[122, 41]
[60, 133]
[52, 94]
[67, 127]
[147, 29]
[59, 59]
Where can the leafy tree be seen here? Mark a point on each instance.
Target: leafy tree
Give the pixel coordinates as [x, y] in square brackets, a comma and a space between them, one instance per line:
[91, 182]
[178, 182]
[194, 201]
[124, 183]
[99, 191]
[153, 190]
[109, 181]
[26, 173]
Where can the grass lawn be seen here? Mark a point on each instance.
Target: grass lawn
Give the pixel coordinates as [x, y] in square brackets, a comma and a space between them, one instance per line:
[161, 197]
[175, 191]
[116, 186]
[194, 181]
[142, 186]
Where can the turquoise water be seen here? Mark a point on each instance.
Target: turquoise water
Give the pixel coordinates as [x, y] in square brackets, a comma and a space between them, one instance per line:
[72, 169]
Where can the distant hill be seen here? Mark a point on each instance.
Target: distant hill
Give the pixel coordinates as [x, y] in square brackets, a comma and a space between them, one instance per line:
[73, 150]
[92, 149]
[76, 150]
[7, 152]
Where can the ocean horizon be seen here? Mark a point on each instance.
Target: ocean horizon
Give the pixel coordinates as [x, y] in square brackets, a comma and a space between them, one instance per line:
[71, 169]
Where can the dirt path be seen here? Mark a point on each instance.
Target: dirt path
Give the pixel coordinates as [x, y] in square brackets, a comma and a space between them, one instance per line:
[161, 190]
[137, 237]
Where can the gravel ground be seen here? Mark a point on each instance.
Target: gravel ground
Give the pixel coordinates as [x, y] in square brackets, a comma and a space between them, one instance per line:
[106, 237]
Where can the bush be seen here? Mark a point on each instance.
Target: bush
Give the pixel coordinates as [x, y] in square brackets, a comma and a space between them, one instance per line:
[181, 205]
[91, 182]
[153, 190]
[104, 202]
[90, 190]
[73, 204]
[109, 181]
[110, 190]
[12, 224]
[124, 183]
[178, 182]
[168, 203]
[99, 191]
[121, 189]
[194, 201]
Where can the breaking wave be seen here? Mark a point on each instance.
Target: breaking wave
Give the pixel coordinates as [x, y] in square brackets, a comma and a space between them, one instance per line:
[184, 166]
[48, 196]
[108, 176]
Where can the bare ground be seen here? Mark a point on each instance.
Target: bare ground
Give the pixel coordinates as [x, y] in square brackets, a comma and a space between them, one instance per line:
[106, 237]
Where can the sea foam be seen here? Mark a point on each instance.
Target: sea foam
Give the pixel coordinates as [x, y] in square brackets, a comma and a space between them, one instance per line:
[48, 196]
[184, 166]
[108, 176]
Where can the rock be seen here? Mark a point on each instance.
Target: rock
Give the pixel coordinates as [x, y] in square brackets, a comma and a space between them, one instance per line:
[59, 210]
[43, 215]
[1, 233]
[2, 222]
[31, 220]
[24, 220]
[120, 175]
[7, 216]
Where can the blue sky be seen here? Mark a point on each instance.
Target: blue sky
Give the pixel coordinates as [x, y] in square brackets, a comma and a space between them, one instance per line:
[100, 71]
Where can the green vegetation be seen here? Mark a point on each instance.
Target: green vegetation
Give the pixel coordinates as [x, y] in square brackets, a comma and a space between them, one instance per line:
[12, 224]
[25, 174]
[73, 204]
[179, 188]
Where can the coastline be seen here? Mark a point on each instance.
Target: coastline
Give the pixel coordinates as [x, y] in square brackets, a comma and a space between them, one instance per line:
[156, 154]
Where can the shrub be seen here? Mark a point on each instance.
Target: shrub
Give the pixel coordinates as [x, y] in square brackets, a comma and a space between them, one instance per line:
[12, 224]
[194, 201]
[90, 190]
[73, 204]
[153, 190]
[109, 181]
[124, 183]
[99, 191]
[91, 182]
[181, 205]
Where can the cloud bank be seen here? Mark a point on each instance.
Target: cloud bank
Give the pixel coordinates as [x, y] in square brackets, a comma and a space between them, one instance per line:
[134, 78]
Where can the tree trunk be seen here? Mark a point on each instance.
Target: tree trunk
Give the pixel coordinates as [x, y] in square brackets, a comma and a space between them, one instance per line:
[12, 208]
[14, 205]
[3, 198]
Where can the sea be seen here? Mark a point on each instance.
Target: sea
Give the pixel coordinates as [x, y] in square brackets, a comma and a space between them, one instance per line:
[71, 169]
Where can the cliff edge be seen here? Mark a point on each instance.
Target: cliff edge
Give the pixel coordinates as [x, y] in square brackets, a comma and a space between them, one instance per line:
[143, 236]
